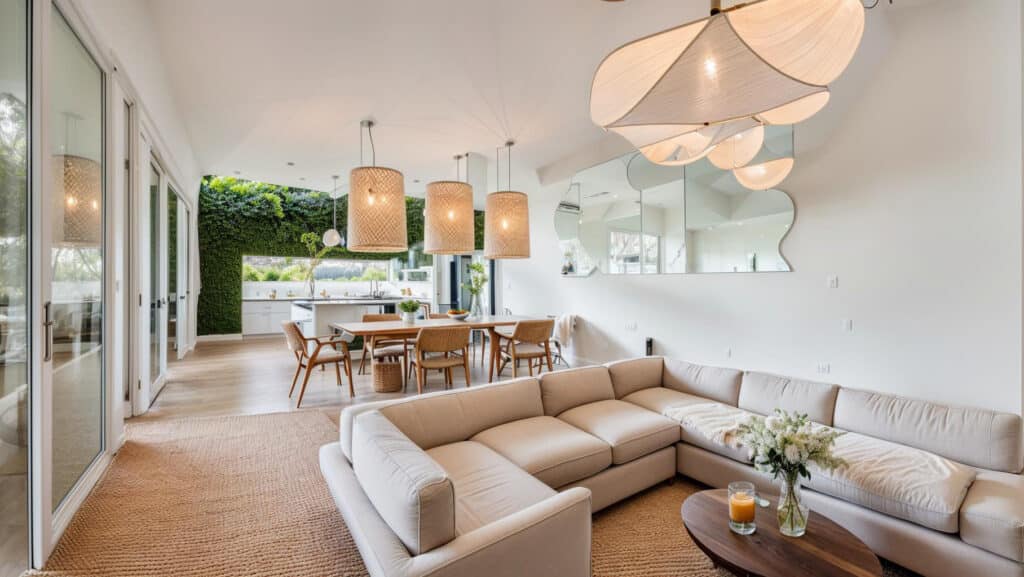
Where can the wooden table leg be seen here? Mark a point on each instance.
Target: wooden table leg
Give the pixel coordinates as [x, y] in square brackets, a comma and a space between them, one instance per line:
[493, 334]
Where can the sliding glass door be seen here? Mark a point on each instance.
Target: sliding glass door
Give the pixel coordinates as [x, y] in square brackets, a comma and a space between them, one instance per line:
[177, 275]
[14, 289]
[156, 292]
[75, 305]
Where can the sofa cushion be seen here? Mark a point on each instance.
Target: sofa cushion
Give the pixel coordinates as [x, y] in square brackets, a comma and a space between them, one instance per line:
[410, 490]
[660, 399]
[488, 486]
[763, 393]
[548, 448]
[447, 417]
[897, 480]
[977, 437]
[992, 515]
[716, 383]
[563, 390]
[631, 431]
[632, 375]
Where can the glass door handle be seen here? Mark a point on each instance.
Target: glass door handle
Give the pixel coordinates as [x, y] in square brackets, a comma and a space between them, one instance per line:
[47, 332]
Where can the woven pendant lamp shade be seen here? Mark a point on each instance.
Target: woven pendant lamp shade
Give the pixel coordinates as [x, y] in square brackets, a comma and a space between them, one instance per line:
[507, 225]
[769, 61]
[448, 218]
[376, 210]
[82, 185]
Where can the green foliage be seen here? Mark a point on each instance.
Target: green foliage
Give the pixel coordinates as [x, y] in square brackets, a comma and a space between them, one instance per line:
[409, 306]
[271, 275]
[249, 273]
[477, 279]
[239, 217]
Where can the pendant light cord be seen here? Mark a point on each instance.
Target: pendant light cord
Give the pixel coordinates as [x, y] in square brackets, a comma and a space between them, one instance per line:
[373, 149]
[334, 195]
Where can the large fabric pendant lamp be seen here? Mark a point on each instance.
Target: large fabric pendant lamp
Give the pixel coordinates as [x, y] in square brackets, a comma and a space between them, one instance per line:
[81, 181]
[376, 204]
[506, 218]
[331, 236]
[768, 61]
[448, 215]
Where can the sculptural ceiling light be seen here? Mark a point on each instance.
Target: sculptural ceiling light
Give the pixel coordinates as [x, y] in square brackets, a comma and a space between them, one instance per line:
[448, 216]
[678, 94]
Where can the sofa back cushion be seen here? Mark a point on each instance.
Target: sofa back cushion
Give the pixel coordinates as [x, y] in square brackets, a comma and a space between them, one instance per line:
[632, 375]
[715, 383]
[412, 493]
[563, 390]
[763, 393]
[451, 416]
[976, 437]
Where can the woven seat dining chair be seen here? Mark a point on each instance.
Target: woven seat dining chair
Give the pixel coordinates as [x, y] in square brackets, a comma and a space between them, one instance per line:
[529, 341]
[325, 351]
[435, 349]
[384, 348]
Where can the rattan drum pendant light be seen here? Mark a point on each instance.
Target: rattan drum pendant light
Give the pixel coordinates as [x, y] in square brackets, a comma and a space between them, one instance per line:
[81, 180]
[506, 219]
[677, 94]
[376, 205]
[448, 215]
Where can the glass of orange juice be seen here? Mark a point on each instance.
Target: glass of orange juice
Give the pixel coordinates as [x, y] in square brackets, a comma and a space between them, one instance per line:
[742, 507]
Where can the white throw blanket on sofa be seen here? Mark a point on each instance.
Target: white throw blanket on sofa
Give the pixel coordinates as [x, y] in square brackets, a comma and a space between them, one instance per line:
[714, 421]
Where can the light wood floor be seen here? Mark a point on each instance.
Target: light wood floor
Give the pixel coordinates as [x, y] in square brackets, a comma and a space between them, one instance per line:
[253, 376]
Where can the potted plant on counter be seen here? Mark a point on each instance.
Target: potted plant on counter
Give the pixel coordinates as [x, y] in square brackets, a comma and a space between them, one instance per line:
[477, 281]
[409, 309]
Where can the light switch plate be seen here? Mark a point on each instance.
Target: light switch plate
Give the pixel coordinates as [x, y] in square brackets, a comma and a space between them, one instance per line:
[832, 281]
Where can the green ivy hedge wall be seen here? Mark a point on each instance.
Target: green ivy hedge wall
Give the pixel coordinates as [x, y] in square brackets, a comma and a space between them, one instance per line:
[239, 217]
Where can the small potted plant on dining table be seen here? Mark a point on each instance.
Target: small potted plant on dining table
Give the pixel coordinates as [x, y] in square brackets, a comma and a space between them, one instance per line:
[477, 281]
[783, 445]
[409, 309]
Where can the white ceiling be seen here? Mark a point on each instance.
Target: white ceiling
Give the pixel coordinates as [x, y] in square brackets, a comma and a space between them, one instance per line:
[264, 82]
[261, 83]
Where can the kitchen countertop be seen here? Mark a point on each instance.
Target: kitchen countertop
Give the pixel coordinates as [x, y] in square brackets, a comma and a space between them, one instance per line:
[335, 300]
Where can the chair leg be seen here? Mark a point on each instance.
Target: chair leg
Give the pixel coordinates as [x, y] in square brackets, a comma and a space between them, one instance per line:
[529, 366]
[348, 371]
[465, 364]
[547, 355]
[515, 363]
[305, 381]
[337, 372]
[295, 379]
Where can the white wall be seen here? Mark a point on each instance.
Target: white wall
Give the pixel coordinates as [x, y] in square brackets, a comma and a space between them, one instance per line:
[912, 198]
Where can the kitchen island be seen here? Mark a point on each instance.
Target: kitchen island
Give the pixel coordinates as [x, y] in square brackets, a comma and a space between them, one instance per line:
[315, 316]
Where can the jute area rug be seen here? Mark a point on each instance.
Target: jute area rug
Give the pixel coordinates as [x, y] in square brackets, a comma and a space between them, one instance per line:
[234, 496]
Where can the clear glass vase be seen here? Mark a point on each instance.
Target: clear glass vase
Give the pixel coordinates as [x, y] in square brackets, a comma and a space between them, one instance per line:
[792, 511]
[475, 309]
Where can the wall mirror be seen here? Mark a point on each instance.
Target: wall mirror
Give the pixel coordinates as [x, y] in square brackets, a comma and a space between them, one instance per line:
[631, 216]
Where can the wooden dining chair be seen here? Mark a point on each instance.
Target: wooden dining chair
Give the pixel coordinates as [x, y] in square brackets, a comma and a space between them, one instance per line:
[325, 352]
[529, 341]
[383, 347]
[434, 348]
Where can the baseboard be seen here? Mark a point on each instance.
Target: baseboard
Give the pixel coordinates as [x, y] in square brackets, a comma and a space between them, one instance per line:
[217, 338]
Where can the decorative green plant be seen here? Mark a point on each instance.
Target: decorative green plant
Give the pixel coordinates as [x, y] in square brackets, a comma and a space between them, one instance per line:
[409, 306]
[477, 279]
[239, 217]
[316, 255]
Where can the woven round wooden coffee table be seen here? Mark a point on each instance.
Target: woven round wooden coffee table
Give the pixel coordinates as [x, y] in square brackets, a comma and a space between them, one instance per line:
[826, 548]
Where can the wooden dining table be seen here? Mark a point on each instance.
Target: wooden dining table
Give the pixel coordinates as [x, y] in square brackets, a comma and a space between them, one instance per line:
[400, 329]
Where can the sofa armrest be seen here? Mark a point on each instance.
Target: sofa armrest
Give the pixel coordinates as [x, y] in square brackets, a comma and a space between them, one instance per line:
[548, 539]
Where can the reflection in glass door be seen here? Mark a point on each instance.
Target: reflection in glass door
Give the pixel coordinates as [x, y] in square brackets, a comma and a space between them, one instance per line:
[74, 208]
[172, 275]
[14, 289]
[157, 332]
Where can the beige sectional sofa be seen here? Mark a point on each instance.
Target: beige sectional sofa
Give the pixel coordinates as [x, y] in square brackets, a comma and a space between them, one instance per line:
[501, 479]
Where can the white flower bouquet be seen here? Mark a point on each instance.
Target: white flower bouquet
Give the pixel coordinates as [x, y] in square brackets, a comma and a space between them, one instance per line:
[783, 445]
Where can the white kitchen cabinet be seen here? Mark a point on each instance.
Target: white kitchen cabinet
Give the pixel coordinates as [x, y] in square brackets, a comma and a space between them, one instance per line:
[264, 317]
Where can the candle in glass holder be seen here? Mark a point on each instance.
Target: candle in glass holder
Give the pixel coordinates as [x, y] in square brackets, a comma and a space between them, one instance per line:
[742, 507]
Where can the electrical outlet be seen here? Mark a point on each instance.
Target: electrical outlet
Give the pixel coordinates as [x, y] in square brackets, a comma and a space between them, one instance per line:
[832, 282]
[631, 326]
[824, 368]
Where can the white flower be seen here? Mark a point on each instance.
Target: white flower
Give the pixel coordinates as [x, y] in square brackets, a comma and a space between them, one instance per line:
[792, 453]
